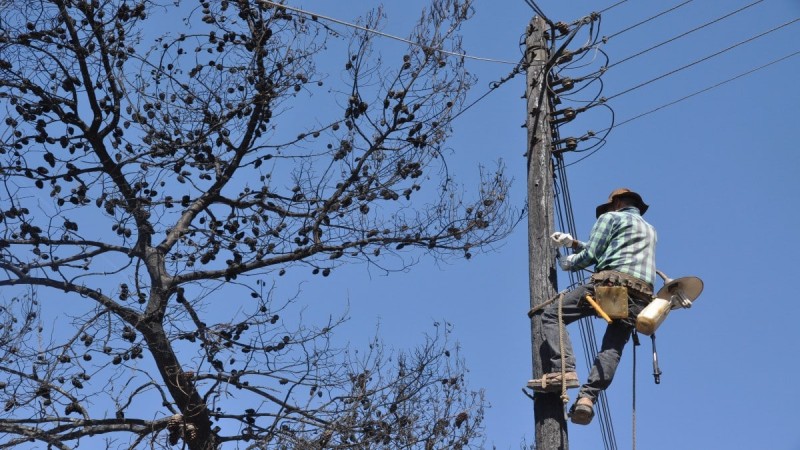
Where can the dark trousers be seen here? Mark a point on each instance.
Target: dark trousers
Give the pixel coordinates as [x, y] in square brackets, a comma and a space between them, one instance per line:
[574, 307]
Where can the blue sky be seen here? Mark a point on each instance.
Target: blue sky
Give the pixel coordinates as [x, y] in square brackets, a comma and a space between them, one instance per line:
[719, 171]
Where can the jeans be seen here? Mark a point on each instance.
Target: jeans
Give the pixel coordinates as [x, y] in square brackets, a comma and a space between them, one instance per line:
[616, 336]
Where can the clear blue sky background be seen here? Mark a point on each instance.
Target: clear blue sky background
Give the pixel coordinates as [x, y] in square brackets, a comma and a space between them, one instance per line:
[720, 173]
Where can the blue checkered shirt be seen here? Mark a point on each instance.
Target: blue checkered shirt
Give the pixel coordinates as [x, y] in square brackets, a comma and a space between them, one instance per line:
[622, 241]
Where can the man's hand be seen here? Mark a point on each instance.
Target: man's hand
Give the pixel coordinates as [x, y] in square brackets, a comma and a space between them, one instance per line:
[564, 239]
[565, 262]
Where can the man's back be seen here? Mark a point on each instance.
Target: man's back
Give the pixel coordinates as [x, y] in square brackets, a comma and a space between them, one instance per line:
[622, 241]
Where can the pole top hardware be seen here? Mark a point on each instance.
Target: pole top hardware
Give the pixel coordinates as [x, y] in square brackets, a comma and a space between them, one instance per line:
[562, 28]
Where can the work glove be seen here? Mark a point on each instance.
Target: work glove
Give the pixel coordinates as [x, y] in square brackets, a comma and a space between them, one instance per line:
[566, 262]
[564, 239]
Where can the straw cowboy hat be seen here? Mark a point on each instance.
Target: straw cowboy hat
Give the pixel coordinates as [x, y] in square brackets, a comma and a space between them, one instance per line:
[624, 192]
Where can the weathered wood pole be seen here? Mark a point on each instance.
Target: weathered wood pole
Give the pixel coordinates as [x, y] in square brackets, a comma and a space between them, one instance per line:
[548, 409]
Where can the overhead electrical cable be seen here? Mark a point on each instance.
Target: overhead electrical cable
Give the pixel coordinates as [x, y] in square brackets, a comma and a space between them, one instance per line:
[606, 38]
[704, 90]
[612, 6]
[556, 54]
[607, 66]
[591, 44]
[492, 87]
[564, 213]
[586, 156]
[683, 34]
[672, 72]
[539, 12]
[566, 221]
[381, 33]
[563, 206]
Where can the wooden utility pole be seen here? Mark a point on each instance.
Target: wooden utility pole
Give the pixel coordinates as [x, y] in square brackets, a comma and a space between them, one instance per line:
[548, 409]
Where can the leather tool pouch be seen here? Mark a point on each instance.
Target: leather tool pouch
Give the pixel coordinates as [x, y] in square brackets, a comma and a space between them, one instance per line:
[613, 300]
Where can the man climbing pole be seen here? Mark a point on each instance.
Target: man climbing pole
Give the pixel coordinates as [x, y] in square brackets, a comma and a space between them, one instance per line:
[621, 245]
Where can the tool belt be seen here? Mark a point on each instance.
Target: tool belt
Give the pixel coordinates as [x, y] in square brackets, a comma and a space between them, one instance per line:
[614, 278]
[613, 289]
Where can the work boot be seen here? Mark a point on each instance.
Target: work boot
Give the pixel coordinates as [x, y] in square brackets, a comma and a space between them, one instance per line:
[582, 411]
[551, 382]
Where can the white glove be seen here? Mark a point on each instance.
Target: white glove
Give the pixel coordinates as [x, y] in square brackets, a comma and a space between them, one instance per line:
[564, 239]
[565, 262]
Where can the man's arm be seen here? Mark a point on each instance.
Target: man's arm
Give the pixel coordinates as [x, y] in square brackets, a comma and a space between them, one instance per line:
[598, 241]
[577, 245]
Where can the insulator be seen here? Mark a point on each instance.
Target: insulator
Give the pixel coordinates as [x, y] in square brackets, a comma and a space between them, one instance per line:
[555, 81]
[562, 28]
[569, 143]
[567, 115]
[566, 85]
[565, 57]
[567, 112]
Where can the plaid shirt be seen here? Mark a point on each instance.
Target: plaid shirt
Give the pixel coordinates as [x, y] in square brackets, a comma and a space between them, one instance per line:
[622, 241]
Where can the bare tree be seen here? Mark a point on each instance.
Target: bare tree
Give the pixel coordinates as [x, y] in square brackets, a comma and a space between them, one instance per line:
[156, 184]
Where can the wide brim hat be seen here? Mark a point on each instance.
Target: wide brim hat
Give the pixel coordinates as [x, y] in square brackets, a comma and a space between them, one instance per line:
[622, 192]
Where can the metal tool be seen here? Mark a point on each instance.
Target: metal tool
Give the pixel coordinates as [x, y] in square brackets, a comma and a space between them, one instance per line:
[656, 371]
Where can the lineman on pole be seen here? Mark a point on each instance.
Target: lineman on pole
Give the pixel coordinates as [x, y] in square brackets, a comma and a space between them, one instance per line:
[621, 246]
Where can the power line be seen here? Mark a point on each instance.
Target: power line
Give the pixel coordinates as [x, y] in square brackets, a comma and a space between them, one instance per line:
[607, 66]
[566, 221]
[603, 101]
[666, 105]
[702, 59]
[684, 34]
[612, 6]
[647, 20]
[586, 156]
[538, 11]
[563, 211]
[492, 87]
[705, 89]
[381, 33]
